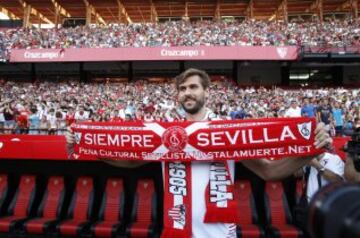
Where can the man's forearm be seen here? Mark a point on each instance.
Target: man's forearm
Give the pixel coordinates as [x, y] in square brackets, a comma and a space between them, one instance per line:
[275, 170]
[331, 176]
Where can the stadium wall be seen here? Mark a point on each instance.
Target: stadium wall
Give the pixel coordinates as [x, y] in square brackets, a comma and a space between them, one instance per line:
[351, 75]
[259, 73]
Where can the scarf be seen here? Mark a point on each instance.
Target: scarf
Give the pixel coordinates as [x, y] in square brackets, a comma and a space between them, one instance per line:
[181, 142]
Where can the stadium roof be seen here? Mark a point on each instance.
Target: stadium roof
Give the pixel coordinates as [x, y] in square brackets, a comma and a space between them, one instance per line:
[112, 11]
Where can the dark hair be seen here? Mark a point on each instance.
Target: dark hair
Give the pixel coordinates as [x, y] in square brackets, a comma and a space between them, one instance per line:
[204, 77]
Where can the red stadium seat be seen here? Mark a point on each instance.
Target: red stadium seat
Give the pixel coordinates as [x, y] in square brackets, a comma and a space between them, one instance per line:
[3, 190]
[21, 204]
[80, 209]
[247, 227]
[277, 212]
[50, 207]
[110, 221]
[144, 211]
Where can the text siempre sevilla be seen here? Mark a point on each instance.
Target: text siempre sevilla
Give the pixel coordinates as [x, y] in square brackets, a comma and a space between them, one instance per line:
[204, 139]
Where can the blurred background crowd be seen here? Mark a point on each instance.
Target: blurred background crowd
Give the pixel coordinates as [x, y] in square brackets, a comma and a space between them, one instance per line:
[48, 107]
[330, 33]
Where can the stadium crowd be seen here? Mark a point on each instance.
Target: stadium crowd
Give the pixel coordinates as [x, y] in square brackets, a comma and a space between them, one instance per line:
[47, 107]
[333, 32]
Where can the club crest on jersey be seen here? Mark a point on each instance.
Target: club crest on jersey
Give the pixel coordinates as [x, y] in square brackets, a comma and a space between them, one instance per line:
[178, 213]
[175, 138]
[77, 137]
[305, 130]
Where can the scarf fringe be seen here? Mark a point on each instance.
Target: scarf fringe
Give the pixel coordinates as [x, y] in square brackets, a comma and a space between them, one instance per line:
[222, 215]
[175, 233]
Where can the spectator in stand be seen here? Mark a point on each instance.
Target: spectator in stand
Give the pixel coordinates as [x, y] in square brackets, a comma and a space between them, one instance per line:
[337, 114]
[308, 109]
[356, 123]
[81, 115]
[348, 126]
[52, 122]
[324, 112]
[44, 125]
[9, 116]
[294, 110]
[34, 122]
[2, 118]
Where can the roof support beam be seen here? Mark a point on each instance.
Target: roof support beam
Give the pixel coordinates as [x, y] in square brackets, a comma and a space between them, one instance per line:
[250, 10]
[217, 11]
[354, 9]
[352, 5]
[8, 13]
[154, 15]
[28, 11]
[186, 17]
[317, 7]
[90, 10]
[122, 12]
[59, 12]
[283, 9]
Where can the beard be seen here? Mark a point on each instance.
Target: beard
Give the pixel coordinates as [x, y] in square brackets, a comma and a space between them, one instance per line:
[199, 103]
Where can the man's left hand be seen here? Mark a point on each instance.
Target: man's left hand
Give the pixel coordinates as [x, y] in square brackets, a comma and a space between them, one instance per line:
[322, 137]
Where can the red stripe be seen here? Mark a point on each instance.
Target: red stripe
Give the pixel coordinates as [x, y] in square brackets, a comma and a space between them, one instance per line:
[84, 188]
[26, 188]
[114, 190]
[36, 226]
[54, 190]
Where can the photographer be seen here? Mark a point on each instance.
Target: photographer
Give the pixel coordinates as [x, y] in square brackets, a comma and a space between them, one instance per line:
[352, 164]
[351, 174]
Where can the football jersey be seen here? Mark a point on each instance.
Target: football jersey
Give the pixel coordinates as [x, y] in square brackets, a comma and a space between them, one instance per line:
[200, 173]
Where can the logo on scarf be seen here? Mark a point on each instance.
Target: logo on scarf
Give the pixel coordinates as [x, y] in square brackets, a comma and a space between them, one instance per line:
[305, 129]
[177, 213]
[175, 138]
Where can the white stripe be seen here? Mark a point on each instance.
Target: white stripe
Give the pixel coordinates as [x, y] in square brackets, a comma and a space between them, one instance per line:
[196, 126]
[178, 200]
[155, 127]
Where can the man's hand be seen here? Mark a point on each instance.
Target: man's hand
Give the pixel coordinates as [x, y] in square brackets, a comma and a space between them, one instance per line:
[69, 136]
[315, 163]
[322, 137]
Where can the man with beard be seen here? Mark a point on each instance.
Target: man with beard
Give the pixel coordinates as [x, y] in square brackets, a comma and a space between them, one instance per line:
[193, 91]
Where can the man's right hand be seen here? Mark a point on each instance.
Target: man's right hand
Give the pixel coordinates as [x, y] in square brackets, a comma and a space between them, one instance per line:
[70, 137]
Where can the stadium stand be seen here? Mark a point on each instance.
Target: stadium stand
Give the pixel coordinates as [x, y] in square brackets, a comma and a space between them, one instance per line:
[44, 98]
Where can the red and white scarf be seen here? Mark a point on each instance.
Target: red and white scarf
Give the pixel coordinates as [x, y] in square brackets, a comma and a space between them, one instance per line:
[179, 143]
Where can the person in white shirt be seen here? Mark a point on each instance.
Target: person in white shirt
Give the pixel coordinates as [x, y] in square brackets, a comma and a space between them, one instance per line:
[324, 169]
[192, 93]
[294, 110]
